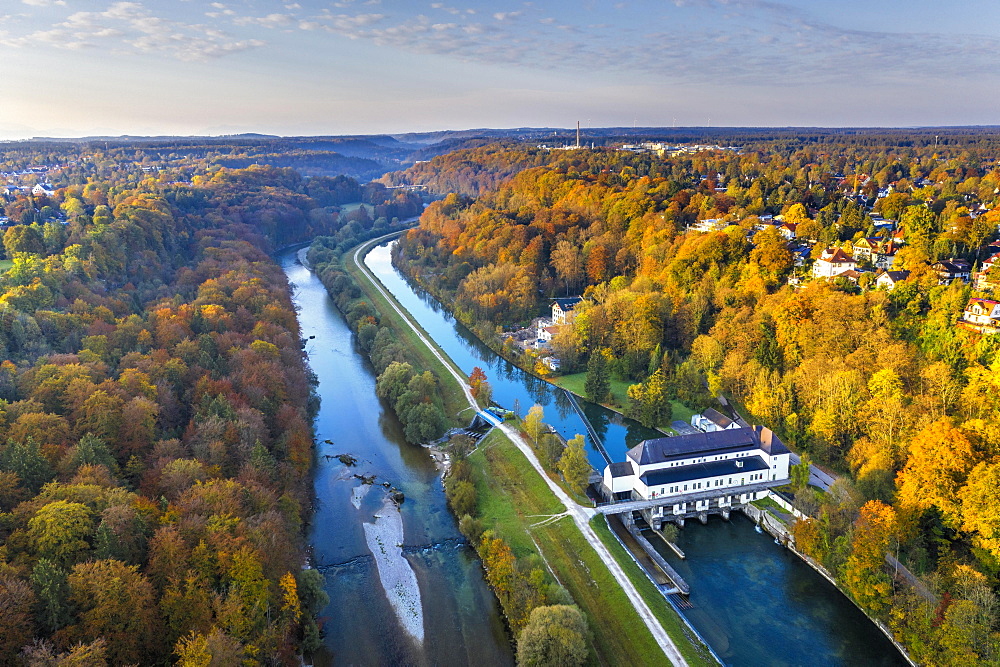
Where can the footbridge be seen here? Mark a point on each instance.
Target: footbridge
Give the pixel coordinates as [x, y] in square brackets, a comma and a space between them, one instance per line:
[626, 506]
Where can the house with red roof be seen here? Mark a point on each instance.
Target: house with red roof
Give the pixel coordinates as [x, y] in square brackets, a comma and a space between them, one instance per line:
[832, 262]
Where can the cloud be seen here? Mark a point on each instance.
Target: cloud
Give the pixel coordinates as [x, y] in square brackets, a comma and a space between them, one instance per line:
[131, 27]
[43, 3]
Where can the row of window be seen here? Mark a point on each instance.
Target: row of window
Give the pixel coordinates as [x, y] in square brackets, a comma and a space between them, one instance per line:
[720, 457]
[695, 486]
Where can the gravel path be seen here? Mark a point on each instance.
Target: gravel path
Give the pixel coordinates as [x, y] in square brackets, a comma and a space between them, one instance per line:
[581, 515]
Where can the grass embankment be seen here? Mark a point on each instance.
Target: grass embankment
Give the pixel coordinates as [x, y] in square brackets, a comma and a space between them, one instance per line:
[456, 407]
[619, 395]
[514, 501]
[694, 652]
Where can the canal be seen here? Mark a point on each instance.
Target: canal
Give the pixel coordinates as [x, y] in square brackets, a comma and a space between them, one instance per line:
[512, 387]
[754, 601]
[453, 617]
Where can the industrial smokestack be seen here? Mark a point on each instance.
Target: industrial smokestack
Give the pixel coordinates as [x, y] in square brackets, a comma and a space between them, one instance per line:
[577, 134]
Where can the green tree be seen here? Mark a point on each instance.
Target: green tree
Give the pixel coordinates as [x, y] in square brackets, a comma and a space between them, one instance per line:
[59, 531]
[555, 636]
[52, 592]
[462, 496]
[650, 401]
[25, 460]
[598, 383]
[574, 466]
[800, 473]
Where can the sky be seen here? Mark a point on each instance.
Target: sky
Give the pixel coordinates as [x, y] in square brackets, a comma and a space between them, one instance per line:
[312, 67]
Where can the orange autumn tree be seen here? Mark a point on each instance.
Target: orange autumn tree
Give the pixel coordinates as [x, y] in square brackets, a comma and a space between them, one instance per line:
[876, 531]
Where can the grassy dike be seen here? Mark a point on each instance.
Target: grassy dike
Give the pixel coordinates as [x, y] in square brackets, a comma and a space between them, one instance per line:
[514, 500]
[456, 407]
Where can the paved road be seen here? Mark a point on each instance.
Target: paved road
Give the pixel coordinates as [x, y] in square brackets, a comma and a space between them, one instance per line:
[817, 477]
[581, 515]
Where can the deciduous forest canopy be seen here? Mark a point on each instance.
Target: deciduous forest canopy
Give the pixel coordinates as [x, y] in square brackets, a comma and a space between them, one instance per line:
[155, 410]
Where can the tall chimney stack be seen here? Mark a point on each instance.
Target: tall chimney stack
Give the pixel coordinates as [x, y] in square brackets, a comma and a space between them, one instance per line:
[577, 134]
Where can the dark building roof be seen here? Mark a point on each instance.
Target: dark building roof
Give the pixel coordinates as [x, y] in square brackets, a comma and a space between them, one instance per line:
[658, 450]
[620, 469]
[703, 470]
[717, 418]
[567, 304]
[896, 276]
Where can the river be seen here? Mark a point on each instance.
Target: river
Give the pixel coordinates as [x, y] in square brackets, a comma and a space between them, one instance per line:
[755, 602]
[461, 620]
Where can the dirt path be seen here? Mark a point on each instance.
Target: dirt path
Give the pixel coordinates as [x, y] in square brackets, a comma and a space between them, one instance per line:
[581, 515]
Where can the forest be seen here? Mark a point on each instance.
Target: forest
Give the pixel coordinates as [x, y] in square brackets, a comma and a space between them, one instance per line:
[155, 415]
[881, 386]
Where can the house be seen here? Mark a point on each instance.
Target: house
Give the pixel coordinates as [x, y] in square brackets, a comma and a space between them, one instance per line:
[951, 269]
[889, 279]
[545, 335]
[851, 275]
[697, 474]
[864, 248]
[884, 255]
[800, 253]
[712, 420]
[832, 262]
[981, 279]
[711, 225]
[562, 310]
[43, 189]
[982, 315]
[787, 230]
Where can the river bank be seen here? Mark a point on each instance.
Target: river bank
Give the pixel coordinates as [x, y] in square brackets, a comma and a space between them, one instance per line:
[361, 625]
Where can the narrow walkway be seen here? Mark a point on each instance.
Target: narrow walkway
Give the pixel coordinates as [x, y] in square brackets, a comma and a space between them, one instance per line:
[581, 515]
[591, 432]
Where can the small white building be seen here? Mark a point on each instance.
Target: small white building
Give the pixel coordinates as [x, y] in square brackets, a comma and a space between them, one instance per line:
[889, 279]
[712, 420]
[562, 310]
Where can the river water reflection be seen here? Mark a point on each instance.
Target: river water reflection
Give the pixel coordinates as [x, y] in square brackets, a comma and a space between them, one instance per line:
[755, 602]
[462, 621]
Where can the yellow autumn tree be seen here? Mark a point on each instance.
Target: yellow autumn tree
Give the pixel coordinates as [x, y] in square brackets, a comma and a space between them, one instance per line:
[940, 458]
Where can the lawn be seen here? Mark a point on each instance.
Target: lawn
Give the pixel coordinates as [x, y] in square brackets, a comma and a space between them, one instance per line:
[5, 265]
[354, 206]
[619, 395]
[512, 497]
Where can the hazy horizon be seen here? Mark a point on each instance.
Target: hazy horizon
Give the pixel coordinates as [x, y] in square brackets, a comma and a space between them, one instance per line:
[77, 68]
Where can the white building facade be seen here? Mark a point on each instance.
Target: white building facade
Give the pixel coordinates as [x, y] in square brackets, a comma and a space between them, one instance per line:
[701, 473]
